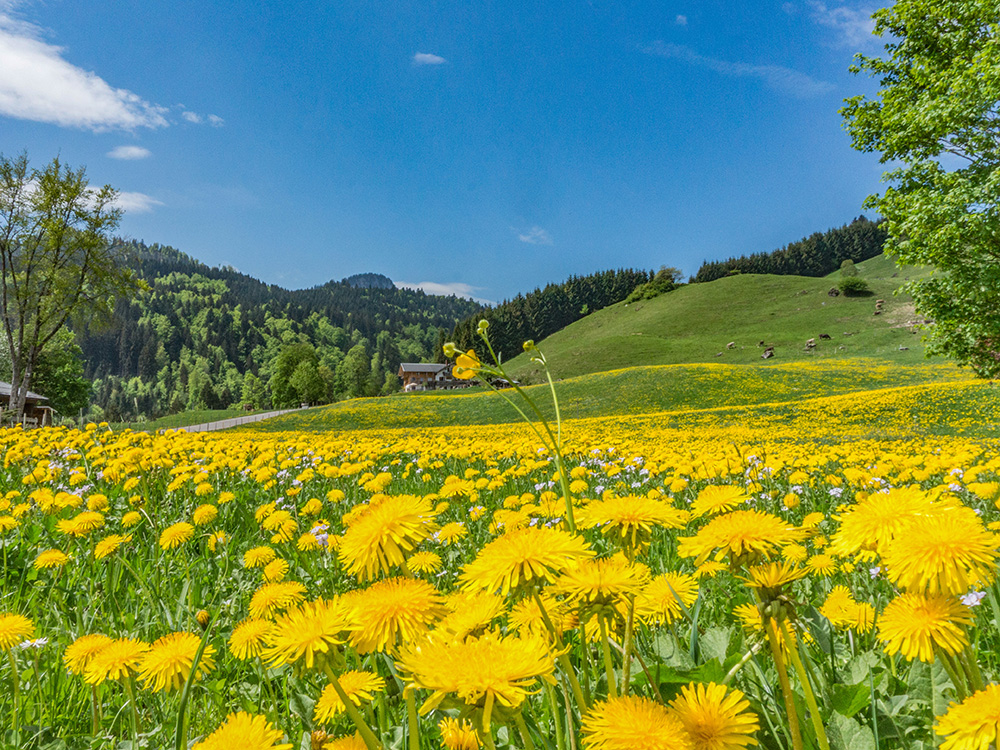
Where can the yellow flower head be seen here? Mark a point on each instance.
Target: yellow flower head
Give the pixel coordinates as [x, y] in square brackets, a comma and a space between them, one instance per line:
[391, 612]
[466, 365]
[602, 582]
[869, 526]
[248, 638]
[81, 524]
[13, 630]
[662, 598]
[359, 686]
[50, 558]
[244, 731]
[522, 558]
[109, 545]
[716, 498]
[275, 597]
[116, 660]
[382, 536]
[258, 557]
[168, 662]
[457, 734]
[80, 652]
[307, 633]
[715, 718]
[631, 722]
[630, 520]
[740, 534]
[275, 570]
[205, 514]
[176, 535]
[915, 625]
[471, 613]
[972, 724]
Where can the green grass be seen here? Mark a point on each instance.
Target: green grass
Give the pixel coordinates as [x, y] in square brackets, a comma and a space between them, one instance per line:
[696, 322]
[634, 391]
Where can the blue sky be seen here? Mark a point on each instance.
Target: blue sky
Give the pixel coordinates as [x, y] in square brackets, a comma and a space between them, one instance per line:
[481, 148]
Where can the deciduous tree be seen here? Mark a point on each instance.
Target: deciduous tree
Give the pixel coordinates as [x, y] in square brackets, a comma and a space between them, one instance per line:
[936, 121]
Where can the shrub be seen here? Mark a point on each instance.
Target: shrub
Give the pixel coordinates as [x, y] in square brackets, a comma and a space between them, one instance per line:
[854, 286]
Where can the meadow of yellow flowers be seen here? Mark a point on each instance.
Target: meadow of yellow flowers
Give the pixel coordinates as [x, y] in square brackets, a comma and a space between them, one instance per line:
[720, 584]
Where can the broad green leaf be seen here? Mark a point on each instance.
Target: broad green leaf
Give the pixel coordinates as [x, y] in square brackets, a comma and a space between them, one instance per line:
[849, 699]
[848, 734]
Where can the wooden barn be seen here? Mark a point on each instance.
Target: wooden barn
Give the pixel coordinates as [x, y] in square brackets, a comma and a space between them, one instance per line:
[37, 413]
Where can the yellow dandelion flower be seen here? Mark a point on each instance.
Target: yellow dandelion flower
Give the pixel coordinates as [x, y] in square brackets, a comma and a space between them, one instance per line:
[631, 722]
[391, 612]
[385, 533]
[131, 518]
[512, 665]
[525, 616]
[716, 498]
[630, 520]
[813, 520]
[204, 489]
[715, 718]
[528, 556]
[457, 734]
[973, 724]
[246, 732]
[258, 557]
[97, 502]
[248, 638]
[823, 565]
[771, 578]
[601, 582]
[214, 540]
[50, 558]
[946, 552]
[276, 570]
[709, 568]
[868, 527]
[205, 514]
[80, 652]
[274, 597]
[471, 614]
[306, 633]
[81, 524]
[312, 507]
[8, 523]
[168, 662]
[226, 497]
[359, 686]
[662, 598]
[425, 562]
[914, 625]
[13, 630]
[350, 742]
[175, 535]
[450, 533]
[308, 542]
[839, 607]
[116, 660]
[109, 545]
[794, 553]
[742, 533]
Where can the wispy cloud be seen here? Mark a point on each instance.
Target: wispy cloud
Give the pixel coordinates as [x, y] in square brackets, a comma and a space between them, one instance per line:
[776, 77]
[192, 117]
[535, 236]
[129, 153]
[438, 289]
[853, 27]
[37, 83]
[681, 20]
[137, 203]
[215, 121]
[426, 58]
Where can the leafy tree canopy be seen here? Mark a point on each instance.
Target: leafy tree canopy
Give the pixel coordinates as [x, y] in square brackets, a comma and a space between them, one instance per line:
[936, 120]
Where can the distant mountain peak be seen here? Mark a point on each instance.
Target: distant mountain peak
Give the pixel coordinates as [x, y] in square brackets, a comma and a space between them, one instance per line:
[370, 281]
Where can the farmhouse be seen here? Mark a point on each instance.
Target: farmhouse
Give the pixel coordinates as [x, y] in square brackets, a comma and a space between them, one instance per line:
[36, 413]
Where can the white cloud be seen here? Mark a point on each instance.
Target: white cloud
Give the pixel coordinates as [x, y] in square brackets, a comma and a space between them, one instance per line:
[425, 58]
[215, 121]
[129, 153]
[783, 80]
[456, 288]
[191, 117]
[536, 236]
[852, 26]
[38, 84]
[681, 20]
[137, 203]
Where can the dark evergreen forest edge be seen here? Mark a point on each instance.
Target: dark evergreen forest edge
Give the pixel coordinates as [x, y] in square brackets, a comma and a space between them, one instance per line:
[205, 337]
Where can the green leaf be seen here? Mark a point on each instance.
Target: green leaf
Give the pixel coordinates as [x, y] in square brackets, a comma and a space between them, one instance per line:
[715, 643]
[847, 700]
[820, 629]
[302, 706]
[848, 734]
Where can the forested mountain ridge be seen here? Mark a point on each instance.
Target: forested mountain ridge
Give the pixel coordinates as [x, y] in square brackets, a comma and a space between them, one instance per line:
[816, 255]
[206, 337]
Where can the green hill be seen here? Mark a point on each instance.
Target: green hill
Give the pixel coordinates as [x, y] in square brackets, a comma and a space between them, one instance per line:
[695, 323]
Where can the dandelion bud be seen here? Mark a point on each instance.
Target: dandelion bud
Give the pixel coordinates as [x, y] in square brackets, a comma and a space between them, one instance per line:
[203, 618]
[483, 326]
[317, 739]
[449, 349]
[528, 345]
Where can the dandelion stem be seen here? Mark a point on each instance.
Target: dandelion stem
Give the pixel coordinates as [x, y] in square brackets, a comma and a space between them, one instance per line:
[371, 741]
[627, 658]
[961, 689]
[15, 678]
[563, 658]
[609, 669]
[814, 715]
[786, 688]
[523, 729]
[130, 691]
[413, 739]
[96, 721]
[554, 710]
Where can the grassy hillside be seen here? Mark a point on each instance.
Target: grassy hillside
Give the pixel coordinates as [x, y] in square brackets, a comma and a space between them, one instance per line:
[696, 322]
[634, 391]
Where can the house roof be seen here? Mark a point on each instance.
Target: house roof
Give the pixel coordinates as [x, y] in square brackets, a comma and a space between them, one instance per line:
[5, 389]
[432, 367]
